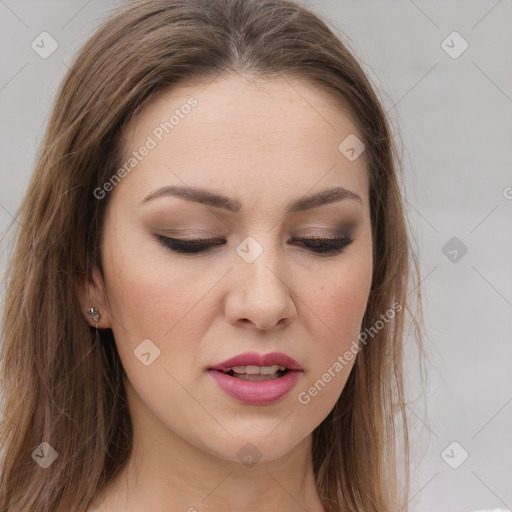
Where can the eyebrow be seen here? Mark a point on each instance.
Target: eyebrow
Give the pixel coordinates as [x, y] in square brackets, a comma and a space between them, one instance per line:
[232, 205]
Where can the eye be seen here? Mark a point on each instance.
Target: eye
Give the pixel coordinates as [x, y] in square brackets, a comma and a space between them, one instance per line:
[326, 245]
[198, 245]
[191, 246]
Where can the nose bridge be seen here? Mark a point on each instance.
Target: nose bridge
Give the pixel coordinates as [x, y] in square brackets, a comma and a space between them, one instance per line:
[260, 293]
[260, 260]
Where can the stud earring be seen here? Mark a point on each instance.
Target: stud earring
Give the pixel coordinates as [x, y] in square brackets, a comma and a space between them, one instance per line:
[94, 313]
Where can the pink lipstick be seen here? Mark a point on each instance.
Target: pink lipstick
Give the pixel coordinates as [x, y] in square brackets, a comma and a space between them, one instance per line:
[257, 379]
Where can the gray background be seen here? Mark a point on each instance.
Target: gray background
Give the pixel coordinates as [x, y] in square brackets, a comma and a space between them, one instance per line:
[454, 119]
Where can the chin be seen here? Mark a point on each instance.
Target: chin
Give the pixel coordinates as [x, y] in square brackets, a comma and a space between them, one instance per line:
[252, 447]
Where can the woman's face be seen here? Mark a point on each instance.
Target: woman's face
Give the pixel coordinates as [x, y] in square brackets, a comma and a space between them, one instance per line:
[259, 287]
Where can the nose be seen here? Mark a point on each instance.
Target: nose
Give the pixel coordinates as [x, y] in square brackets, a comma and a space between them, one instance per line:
[260, 297]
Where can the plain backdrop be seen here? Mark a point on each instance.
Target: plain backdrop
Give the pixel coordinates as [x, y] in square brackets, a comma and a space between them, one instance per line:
[444, 73]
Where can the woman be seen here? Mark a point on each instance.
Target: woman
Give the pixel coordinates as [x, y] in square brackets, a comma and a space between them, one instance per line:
[206, 302]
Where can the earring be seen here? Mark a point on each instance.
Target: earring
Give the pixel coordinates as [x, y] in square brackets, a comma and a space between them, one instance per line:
[95, 315]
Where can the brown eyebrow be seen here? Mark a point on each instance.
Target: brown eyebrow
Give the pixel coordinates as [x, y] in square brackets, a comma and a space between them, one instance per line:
[209, 198]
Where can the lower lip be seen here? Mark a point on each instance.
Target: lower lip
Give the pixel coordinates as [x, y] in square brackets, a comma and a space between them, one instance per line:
[262, 392]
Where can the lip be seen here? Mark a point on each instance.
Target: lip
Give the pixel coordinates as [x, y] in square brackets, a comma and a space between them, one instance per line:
[257, 359]
[262, 392]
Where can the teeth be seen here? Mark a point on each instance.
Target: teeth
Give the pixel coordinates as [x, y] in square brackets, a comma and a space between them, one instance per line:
[255, 378]
[256, 370]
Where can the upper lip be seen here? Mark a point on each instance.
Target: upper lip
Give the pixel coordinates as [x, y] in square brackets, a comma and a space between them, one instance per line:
[257, 359]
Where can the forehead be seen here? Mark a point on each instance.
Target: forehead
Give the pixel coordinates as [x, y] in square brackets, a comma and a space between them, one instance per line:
[241, 133]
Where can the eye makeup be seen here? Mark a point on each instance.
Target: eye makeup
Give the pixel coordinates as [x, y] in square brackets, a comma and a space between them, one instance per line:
[319, 244]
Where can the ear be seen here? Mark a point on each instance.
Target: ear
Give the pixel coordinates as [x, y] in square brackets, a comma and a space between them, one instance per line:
[92, 294]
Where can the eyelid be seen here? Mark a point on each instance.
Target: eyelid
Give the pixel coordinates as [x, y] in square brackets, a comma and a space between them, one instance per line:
[215, 235]
[206, 234]
[186, 233]
[346, 232]
[320, 245]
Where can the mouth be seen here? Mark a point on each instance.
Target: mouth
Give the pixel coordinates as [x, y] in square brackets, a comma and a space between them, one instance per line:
[257, 379]
[256, 373]
[254, 363]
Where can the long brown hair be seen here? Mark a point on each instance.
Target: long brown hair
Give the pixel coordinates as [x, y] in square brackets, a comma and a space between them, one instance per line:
[61, 387]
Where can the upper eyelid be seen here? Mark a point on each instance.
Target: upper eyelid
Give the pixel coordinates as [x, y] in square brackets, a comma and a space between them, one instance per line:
[211, 240]
[185, 239]
[345, 230]
[343, 242]
[347, 237]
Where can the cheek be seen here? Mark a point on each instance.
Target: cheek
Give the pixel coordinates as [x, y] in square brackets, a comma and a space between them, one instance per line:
[154, 299]
[339, 305]
[150, 295]
[341, 300]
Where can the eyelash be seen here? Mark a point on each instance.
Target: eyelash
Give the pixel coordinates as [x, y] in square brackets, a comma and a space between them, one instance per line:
[325, 246]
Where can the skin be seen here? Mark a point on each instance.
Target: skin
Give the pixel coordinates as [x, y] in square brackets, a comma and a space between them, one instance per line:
[264, 142]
